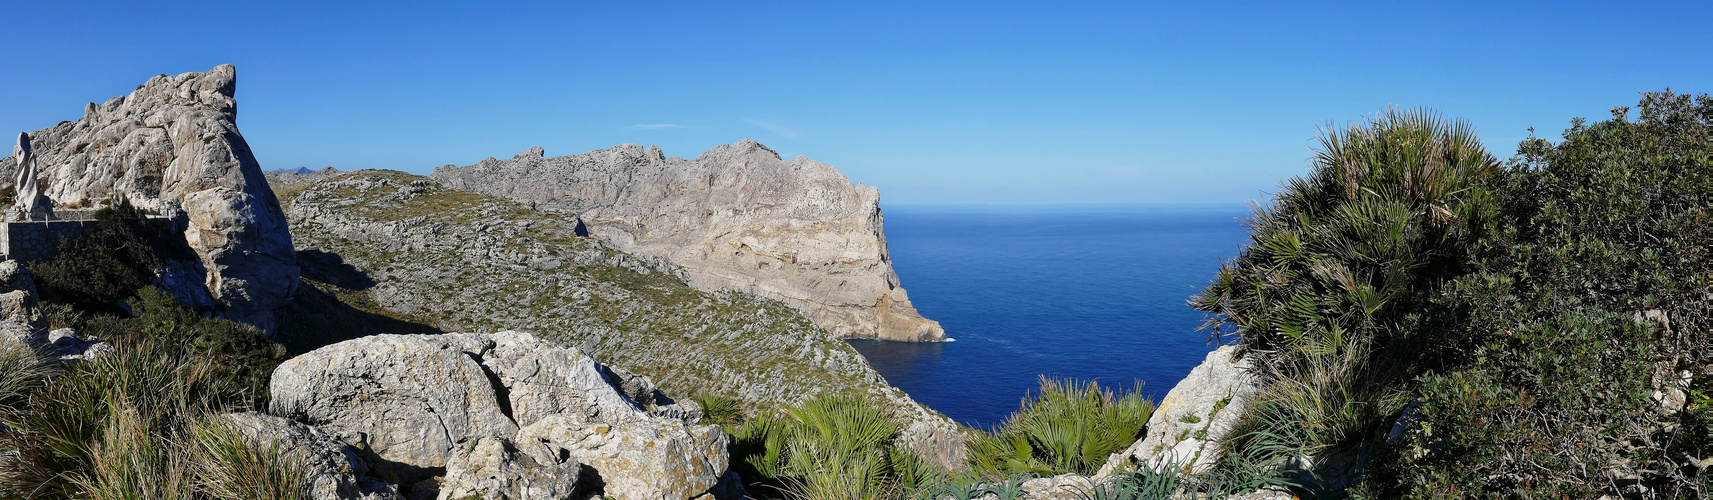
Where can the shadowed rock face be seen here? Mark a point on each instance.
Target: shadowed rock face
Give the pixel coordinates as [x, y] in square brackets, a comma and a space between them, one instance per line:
[738, 217]
[176, 139]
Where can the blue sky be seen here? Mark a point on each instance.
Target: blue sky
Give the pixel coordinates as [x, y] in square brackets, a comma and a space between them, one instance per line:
[978, 102]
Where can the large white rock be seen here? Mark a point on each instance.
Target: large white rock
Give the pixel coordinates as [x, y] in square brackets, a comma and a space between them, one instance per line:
[737, 217]
[336, 470]
[1194, 418]
[416, 397]
[175, 139]
[432, 401]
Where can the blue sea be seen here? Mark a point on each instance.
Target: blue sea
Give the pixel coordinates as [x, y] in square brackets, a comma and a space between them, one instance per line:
[1083, 292]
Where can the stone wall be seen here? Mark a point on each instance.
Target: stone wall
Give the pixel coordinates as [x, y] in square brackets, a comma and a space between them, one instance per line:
[40, 240]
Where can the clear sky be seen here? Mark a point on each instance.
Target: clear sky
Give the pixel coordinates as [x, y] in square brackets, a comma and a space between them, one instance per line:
[979, 102]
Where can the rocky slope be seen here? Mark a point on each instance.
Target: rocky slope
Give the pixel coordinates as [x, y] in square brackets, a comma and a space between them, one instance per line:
[460, 261]
[737, 217]
[175, 141]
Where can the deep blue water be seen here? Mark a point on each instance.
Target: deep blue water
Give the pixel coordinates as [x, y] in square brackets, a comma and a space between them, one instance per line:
[1087, 292]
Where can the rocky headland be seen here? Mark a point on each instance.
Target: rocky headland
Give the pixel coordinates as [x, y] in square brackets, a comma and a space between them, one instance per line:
[173, 145]
[461, 261]
[737, 217]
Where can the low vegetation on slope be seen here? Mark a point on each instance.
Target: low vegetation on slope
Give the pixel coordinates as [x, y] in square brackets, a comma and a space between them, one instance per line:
[1541, 325]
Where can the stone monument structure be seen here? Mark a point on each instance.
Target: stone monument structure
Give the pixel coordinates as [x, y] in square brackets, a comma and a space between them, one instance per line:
[31, 205]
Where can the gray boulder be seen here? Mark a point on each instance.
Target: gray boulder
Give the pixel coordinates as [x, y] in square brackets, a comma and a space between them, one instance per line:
[416, 397]
[495, 470]
[68, 347]
[738, 217]
[1197, 415]
[336, 470]
[21, 320]
[641, 458]
[454, 400]
[175, 139]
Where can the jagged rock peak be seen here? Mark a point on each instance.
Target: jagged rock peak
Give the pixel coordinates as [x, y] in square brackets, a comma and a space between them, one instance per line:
[175, 140]
[736, 217]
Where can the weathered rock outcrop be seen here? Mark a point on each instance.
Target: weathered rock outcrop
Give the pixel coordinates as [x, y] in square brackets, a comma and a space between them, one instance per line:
[1197, 415]
[415, 397]
[495, 469]
[336, 471]
[738, 217]
[453, 405]
[175, 140]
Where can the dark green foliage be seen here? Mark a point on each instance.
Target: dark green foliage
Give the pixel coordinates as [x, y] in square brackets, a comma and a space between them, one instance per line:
[1594, 293]
[1535, 309]
[112, 262]
[1330, 293]
[1350, 250]
[1066, 427]
[243, 358]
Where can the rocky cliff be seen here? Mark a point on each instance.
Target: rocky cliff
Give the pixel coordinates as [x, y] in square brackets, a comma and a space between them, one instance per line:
[737, 217]
[174, 140]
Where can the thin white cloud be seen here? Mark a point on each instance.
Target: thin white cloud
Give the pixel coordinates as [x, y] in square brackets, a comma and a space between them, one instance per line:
[656, 126]
[777, 129]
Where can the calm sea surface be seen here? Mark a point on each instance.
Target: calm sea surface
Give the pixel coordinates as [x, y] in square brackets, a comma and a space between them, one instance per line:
[1091, 293]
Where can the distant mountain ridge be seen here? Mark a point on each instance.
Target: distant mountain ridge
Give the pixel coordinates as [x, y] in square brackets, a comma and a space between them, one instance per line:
[737, 217]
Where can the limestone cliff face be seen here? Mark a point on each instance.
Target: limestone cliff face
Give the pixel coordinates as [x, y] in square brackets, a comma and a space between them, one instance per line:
[738, 217]
[175, 139]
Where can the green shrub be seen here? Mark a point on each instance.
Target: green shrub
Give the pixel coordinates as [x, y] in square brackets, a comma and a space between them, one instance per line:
[1065, 427]
[117, 258]
[1598, 278]
[717, 409]
[828, 447]
[241, 355]
[1534, 309]
[1332, 294]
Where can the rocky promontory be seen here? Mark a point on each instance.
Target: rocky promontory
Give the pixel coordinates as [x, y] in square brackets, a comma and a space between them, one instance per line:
[174, 142]
[737, 217]
[461, 261]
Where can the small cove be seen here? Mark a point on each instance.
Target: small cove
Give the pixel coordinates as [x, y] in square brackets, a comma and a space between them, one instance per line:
[1083, 292]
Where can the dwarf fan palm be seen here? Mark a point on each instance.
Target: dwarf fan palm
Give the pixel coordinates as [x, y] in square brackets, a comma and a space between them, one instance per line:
[1341, 260]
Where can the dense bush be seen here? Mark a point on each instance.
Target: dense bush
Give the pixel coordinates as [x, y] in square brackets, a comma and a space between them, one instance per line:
[1330, 293]
[1595, 294]
[1534, 309]
[1065, 427]
[117, 258]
